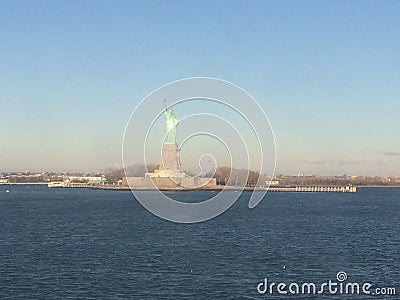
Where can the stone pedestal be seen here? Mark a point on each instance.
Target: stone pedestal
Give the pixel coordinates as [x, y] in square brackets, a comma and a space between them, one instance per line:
[170, 158]
[170, 165]
[170, 175]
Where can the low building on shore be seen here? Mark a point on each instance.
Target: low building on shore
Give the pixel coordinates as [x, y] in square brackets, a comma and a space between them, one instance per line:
[83, 180]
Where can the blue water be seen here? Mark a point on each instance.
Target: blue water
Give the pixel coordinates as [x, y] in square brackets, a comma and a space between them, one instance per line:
[93, 244]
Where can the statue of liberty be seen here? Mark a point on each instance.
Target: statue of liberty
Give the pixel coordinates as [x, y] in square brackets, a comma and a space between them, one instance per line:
[170, 122]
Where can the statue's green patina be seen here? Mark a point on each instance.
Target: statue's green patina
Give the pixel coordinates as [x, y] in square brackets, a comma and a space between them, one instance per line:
[171, 122]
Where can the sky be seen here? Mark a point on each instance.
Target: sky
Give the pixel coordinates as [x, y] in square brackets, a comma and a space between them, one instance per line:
[326, 73]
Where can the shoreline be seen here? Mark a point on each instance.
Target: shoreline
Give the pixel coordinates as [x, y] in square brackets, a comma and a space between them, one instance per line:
[24, 183]
[206, 189]
[378, 186]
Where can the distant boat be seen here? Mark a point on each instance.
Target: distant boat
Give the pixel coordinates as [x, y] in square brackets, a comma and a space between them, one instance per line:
[55, 184]
[7, 191]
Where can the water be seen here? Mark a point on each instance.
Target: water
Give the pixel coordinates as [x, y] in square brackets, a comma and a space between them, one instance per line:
[93, 244]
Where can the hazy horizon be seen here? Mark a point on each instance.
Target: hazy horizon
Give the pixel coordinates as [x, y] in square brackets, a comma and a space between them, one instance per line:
[190, 170]
[327, 74]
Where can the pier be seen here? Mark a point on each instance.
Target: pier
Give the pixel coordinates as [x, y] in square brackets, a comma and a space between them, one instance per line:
[315, 189]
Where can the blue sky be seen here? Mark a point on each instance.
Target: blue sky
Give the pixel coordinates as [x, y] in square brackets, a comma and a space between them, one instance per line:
[327, 73]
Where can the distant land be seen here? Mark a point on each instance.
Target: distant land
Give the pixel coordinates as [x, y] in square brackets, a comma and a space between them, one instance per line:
[115, 176]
